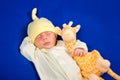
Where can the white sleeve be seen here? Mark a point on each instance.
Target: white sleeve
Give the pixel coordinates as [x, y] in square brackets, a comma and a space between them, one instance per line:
[80, 44]
[27, 49]
[60, 43]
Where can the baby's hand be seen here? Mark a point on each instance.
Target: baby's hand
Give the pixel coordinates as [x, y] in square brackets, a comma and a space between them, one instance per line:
[79, 52]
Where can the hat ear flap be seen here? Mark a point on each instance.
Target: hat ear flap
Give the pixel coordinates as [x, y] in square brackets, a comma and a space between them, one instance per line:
[58, 30]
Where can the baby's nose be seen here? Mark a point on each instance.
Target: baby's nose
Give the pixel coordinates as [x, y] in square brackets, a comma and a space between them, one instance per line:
[45, 37]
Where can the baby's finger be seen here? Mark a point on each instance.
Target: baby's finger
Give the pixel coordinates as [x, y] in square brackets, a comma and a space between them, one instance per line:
[76, 53]
[83, 53]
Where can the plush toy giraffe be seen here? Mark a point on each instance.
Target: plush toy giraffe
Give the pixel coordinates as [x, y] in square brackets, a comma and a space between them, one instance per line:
[92, 65]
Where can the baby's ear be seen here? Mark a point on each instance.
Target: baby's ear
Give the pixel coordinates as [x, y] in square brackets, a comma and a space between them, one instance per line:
[58, 30]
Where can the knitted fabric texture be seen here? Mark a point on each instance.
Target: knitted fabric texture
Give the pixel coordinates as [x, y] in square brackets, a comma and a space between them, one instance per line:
[38, 26]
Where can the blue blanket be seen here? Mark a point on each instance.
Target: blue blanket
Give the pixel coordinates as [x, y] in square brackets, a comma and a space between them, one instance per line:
[100, 29]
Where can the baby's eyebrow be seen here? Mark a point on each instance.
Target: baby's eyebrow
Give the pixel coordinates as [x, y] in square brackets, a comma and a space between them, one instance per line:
[48, 32]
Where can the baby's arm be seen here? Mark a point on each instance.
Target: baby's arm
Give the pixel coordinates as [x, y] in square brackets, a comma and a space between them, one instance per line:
[27, 49]
[80, 48]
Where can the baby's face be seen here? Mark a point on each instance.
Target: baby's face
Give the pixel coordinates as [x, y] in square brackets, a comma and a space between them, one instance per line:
[45, 40]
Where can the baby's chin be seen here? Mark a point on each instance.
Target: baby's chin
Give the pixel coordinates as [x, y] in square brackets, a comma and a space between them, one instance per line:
[48, 46]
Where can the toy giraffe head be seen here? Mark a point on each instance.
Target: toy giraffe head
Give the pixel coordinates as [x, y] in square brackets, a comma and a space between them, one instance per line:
[68, 34]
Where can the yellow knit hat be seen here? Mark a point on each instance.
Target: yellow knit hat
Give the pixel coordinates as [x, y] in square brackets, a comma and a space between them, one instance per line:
[38, 26]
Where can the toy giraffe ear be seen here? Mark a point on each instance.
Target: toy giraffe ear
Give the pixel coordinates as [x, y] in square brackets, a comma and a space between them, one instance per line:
[58, 30]
[77, 28]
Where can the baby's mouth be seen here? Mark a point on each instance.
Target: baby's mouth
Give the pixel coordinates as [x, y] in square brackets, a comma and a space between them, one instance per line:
[46, 43]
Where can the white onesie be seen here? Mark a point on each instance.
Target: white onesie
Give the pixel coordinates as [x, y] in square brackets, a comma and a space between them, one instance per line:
[51, 64]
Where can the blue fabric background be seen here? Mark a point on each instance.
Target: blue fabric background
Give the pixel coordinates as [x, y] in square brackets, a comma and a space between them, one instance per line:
[100, 29]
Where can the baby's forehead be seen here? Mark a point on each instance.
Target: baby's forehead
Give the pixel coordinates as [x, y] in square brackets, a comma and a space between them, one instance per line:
[46, 32]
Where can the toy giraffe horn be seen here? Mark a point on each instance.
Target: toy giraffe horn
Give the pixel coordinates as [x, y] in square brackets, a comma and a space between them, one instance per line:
[34, 11]
[70, 23]
[64, 24]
